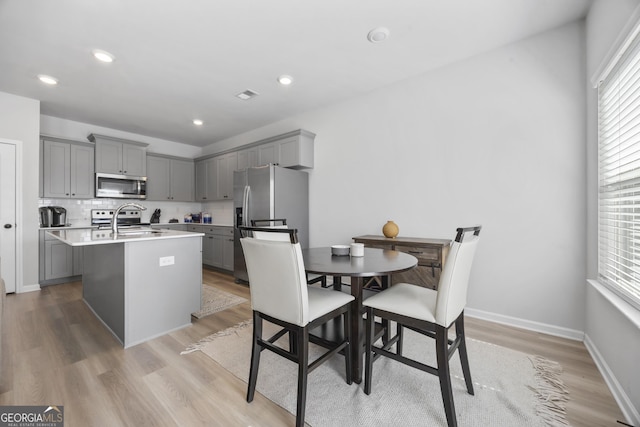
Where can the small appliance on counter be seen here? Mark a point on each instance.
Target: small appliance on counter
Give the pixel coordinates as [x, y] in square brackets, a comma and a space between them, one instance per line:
[53, 216]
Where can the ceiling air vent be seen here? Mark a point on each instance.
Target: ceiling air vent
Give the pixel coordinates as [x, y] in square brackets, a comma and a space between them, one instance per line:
[247, 94]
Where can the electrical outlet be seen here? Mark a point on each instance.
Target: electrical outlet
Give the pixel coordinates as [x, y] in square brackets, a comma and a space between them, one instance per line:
[167, 260]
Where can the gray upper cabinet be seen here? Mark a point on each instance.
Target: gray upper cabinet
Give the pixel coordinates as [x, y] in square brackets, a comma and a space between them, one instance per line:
[119, 156]
[170, 178]
[225, 166]
[206, 180]
[268, 154]
[182, 180]
[290, 150]
[214, 177]
[67, 169]
[296, 151]
[247, 158]
[214, 173]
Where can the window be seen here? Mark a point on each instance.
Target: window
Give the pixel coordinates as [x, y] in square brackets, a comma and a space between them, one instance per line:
[619, 176]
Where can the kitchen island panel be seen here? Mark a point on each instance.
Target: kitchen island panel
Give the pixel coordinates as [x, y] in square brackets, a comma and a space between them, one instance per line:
[103, 283]
[160, 298]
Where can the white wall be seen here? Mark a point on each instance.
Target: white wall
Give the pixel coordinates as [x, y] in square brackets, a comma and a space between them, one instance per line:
[19, 118]
[611, 335]
[79, 131]
[496, 140]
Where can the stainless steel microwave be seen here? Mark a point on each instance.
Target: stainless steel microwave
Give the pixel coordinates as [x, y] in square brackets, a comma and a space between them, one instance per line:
[121, 186]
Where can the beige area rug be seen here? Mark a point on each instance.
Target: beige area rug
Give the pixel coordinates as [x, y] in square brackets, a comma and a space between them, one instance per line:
[511, 388]
[214, 300]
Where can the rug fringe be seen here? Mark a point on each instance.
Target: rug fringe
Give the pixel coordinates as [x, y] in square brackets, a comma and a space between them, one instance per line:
[550, 391]
[232, 330]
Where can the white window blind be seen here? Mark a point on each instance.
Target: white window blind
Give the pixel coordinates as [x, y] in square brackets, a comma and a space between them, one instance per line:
[619, 176]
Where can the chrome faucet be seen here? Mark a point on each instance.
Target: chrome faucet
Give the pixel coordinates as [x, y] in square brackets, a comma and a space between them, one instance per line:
[114, 220]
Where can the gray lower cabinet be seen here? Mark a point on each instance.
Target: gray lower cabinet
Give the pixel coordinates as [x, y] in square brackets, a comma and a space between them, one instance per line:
[59, 262]
[176, 226]
[217, 245]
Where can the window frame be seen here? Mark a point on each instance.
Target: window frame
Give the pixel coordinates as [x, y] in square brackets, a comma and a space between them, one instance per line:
[619, 173]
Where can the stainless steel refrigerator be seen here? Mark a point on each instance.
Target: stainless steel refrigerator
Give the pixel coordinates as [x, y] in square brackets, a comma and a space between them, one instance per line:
[268, 192]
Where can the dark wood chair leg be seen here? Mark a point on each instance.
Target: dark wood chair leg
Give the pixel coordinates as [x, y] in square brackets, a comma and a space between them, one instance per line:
[255, 356]
[347, 350]
[400, 333]
[369, 331]
[302, 338]
[444, 375]
[462, 351]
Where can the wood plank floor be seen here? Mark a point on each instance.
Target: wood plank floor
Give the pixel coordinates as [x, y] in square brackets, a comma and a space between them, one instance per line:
[55, 352]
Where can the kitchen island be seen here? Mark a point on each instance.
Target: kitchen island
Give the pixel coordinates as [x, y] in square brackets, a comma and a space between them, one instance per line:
[140, 283]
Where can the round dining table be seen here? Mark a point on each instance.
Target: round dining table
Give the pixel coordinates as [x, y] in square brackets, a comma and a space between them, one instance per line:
[375, 263]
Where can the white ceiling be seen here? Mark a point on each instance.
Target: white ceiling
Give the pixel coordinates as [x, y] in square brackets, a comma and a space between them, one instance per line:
[177, 60]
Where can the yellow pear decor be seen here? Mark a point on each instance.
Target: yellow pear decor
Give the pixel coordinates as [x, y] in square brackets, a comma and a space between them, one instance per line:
[390, 229]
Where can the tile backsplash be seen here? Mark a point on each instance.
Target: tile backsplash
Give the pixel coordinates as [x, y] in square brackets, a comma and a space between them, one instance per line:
[79, 211]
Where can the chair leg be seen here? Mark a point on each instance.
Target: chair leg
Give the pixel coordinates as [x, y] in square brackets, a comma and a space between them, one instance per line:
[302, 341]
[444, 375]
[369, 331]
[400, 333]
[462, 352]
[255, 356]
[347, 350]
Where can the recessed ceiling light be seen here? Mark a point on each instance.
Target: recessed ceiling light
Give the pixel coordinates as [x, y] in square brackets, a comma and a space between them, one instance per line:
[285, 80]
[102, 55]
[48, 79]
[198, 122]
[378, 35]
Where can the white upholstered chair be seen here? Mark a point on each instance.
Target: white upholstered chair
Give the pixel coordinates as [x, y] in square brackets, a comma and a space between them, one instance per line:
[268, 226]
[280, 295]
[430, 313]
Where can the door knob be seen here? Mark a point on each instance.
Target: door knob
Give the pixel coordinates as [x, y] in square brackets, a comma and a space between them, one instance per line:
[8, 226]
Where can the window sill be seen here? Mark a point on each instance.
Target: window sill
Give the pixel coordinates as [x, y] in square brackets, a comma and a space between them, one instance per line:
[624, 307]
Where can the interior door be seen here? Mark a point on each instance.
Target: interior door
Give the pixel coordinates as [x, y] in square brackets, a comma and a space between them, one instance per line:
[8, 215]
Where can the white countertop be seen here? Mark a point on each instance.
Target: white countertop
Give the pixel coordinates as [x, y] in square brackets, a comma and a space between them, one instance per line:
[155, 224]
[92, 236]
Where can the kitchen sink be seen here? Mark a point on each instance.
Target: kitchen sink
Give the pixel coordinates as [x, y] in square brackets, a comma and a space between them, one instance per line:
[138, 232]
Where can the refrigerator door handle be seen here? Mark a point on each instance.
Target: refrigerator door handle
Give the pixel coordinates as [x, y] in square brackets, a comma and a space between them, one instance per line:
[245, 206]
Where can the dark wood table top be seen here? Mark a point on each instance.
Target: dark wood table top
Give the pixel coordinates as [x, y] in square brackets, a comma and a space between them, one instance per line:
[375, 262]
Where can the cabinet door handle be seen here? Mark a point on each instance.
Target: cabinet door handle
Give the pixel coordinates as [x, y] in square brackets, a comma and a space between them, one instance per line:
[416, 252]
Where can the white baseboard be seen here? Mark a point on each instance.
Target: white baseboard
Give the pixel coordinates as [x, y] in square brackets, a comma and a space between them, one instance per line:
[630, 412]
[544, 328]
[30, 288]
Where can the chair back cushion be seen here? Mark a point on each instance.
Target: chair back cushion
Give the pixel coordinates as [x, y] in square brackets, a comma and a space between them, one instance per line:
[265, 235]
[454, 281]
[277, 279]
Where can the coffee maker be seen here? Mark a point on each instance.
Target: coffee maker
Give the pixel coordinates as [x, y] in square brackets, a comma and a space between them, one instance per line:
[53, 216]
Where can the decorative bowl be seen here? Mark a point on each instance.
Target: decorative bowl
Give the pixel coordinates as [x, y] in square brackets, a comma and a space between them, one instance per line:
[340, 250]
